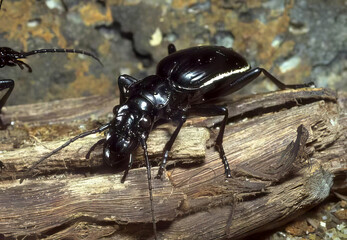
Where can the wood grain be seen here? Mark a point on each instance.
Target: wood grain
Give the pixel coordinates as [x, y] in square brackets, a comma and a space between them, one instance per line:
[72, 197]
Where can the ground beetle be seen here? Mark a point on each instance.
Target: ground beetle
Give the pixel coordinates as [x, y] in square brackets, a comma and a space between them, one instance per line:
[185, 82]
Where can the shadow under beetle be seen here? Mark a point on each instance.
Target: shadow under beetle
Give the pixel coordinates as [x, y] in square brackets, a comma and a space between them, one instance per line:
[184, 83]
[12, 58]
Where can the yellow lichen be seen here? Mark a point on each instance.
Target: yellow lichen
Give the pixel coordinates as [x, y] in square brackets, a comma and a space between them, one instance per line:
[259, 36]
[85, 82]
[123, 2]
[105, 47]
[254, 3]
[91, 15]
[295, 75]
[179, 4]
[15, 24]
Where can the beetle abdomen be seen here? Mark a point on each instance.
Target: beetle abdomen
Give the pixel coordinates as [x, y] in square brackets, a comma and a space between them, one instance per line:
[199, 67]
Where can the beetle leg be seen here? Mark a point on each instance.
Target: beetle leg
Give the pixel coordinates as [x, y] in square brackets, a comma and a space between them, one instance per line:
[150, 189]
[254, 73]
[5, 84]
[171, 48]
[281, 85]
[124, 83]
[213, 111]
[247, 77]
[168, 146]
[130, 163]
[2, 166]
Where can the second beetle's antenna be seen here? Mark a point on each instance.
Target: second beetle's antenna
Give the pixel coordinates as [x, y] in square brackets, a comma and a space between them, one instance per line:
[61, 50]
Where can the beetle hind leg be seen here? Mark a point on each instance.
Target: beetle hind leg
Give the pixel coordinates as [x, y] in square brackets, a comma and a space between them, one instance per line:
[235, 84]
[281, 85]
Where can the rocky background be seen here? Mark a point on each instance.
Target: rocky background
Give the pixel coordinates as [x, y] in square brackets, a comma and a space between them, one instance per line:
[298, 41]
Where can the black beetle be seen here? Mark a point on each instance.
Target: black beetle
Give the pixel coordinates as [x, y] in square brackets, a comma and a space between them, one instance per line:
[184, 83]
[10, 57]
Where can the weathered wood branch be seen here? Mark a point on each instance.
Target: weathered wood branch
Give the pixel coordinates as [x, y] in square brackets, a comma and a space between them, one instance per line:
[193, 200]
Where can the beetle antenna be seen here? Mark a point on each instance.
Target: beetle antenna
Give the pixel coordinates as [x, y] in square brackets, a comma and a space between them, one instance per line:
[82, 135]
[60, 50]
[149, 178]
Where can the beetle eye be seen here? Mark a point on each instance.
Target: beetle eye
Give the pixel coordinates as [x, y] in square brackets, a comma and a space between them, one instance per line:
[145, 122]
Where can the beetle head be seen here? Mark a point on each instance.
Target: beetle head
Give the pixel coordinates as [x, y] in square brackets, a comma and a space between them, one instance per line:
[8, 57]
[132, 122]
[118, 148]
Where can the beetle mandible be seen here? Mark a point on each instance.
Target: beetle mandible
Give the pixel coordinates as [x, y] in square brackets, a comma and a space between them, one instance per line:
[184, 83]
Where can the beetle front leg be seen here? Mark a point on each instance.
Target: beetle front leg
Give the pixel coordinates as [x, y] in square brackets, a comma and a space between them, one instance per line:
[214, 111]
[5, 84]
[168, 146]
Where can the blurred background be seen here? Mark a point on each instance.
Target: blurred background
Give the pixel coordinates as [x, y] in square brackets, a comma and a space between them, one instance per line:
[298, 41]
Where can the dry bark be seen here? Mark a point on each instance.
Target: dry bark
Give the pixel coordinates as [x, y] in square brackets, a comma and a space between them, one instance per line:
[272, 180]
